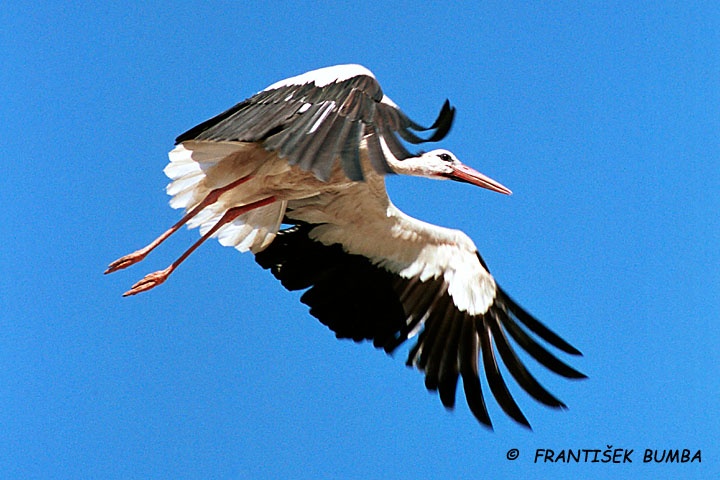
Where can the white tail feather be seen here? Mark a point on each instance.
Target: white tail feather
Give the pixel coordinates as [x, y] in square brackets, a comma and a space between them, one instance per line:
[254, 230]
[197, 168]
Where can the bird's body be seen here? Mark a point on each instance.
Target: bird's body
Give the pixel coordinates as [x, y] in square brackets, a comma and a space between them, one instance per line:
[357, 215]
[311, 152]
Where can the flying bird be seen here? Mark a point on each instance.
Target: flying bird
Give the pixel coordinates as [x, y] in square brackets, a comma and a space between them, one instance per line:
[295, 174]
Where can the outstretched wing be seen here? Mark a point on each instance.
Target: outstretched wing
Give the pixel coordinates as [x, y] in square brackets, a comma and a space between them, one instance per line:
[321, 116]
[360, 300]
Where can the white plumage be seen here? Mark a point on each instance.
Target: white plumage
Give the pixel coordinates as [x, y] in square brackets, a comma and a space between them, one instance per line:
[311, 152]
[323, 77]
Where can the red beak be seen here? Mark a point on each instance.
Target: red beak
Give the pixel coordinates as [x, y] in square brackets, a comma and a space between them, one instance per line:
[463, 173]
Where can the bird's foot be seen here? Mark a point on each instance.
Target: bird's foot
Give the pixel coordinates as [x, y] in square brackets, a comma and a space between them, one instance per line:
[127, 260]
[151, 280]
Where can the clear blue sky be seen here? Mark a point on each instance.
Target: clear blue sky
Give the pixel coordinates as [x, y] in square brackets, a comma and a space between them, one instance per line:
[604, 119]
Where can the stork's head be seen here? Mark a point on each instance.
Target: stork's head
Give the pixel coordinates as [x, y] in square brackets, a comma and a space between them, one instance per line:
[443, 164]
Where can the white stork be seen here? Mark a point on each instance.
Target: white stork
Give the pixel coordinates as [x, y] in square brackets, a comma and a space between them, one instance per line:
[311, 152]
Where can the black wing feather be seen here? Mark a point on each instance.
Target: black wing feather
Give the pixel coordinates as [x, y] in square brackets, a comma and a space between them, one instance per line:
[533, 324]
[518, 370]
[538, 352]
[469, 370]
[449, 365]
[432, 334]
[492, 371]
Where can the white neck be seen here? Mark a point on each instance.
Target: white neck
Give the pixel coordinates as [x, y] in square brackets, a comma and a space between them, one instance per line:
[416, 166]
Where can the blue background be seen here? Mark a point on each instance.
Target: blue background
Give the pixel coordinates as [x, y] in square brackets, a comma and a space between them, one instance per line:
[604, 119]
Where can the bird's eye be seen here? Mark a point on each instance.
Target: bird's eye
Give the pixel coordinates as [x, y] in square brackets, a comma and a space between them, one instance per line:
[445, 157]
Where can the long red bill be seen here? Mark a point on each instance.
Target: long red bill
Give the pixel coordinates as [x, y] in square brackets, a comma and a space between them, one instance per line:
[463, 173]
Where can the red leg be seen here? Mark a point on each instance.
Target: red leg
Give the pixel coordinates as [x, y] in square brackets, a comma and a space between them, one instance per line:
[154, 279]
[135, 257]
